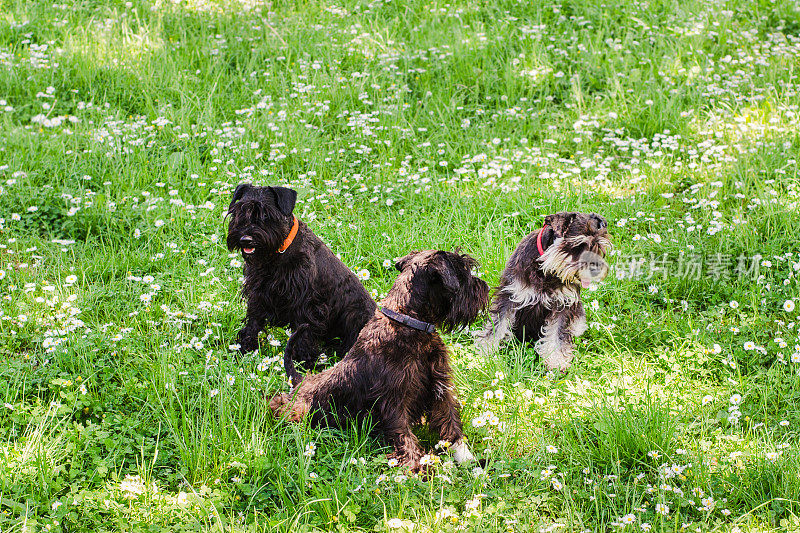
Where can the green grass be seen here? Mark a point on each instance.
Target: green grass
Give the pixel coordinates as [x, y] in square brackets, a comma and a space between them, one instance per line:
[403, 125]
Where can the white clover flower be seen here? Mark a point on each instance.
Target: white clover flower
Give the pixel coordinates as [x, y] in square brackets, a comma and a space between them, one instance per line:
[473, 504]
[396, 523]
[311, 449]
[132, 485]
[426, 460]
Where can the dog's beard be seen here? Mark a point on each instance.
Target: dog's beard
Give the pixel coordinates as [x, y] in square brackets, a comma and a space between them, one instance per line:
[559, 260]
[466, 304]
[261, 242]
[245, 223]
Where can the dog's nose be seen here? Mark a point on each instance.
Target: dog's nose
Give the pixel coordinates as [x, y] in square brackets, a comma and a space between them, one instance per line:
[597, 222]
[246, 241]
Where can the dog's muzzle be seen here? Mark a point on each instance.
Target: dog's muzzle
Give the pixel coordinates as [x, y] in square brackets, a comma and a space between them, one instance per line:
[246, 243]
[592, 268]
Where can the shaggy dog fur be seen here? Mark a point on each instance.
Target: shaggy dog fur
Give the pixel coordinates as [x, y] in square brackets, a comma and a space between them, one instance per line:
[395, 373]
[305, 287]
[538, 299]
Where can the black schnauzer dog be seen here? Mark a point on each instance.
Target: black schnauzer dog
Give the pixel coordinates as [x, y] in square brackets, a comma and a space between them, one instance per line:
[292, 279]
[399, 371]
[538, 299]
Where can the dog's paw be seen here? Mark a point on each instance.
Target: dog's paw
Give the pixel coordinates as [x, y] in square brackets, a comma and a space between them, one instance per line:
[279, 404]
[411, 462]
[558, 362]
[247, 344]
[484, 347]
[559, 368]
[461, 453]
[284, 406]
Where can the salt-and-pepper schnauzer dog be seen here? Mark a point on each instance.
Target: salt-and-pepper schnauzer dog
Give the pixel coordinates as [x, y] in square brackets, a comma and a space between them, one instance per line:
[399, 371]
[292, 279]
[538, 298]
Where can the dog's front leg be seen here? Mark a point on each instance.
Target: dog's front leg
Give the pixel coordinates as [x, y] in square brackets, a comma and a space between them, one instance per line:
[556, 345]
[303, 346]
[254, 323]
[446, 420]
[501, 320]
[397, 431]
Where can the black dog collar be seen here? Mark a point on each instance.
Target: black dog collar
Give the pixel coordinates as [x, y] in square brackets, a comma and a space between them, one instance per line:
[409, 321]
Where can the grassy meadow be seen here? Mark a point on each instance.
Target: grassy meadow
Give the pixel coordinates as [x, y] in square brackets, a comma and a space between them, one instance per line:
[403, 125]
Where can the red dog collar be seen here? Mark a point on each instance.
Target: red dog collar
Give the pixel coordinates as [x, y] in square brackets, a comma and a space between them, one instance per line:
[539, 240]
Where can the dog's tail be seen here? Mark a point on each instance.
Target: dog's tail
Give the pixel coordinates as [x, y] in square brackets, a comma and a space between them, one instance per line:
[288, 356]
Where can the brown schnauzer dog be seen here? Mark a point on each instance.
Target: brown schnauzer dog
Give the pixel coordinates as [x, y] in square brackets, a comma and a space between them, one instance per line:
[399, 371]
[292, 279]
[538, 299]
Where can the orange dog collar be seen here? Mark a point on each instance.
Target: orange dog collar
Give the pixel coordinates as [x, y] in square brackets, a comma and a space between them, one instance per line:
[290, 238]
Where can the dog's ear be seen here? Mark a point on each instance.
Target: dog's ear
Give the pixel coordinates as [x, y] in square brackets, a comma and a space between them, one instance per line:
[401, 263]
[560, 222]
[285, 199]
[240, 191]
[445, 271]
